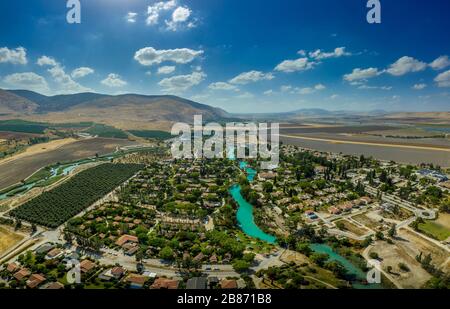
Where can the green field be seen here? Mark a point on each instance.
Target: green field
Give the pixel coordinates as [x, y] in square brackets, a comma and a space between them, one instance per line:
[106, 131]
[23, 126]
[54, 207]
[156, 134]
[435, 229]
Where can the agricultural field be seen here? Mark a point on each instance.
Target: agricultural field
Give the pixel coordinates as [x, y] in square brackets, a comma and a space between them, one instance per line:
[56, 206]
[8, 239]
[17, 170]
[101, 130]
[156, 134]
[23, 126]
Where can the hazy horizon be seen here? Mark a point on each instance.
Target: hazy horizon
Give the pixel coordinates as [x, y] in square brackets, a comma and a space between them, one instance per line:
[287, 56]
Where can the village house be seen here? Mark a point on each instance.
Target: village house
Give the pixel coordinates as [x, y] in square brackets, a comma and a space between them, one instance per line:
[164, 283]
[35, 280]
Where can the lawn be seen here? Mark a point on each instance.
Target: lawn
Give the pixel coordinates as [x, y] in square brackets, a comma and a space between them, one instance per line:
[438, 228]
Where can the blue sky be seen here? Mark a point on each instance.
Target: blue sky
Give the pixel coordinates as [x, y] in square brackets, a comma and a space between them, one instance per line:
[240, 55]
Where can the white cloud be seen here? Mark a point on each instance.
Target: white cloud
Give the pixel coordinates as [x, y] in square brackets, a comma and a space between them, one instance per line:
[367, 87]
[166, 69]
[268, 92]
[250, 77]
[285, 88]
[309, 90]
[149, 56]
[443, 79]
[179, 16]
[13, 56]
[113, 81]
[319, 87]
[361, 74]
[246, 95]
[419, 86]
[406, 65]
[28, 81]
[302, 52]
[334, 96]
[300, 64]
[45, 60]
[81, 72]
[131, 17]
[222, 86]
[66, 84]
[338, 52]
[440, 63]
[154, 11]
[182, 82]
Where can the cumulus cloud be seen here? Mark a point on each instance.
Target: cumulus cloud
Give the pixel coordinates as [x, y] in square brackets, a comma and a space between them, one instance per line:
[406, 65]
[131, 17]
[154, 11]
[338, 52]
[13, 56]
[149, 56]
[440, 63]
[45, 60]
[251, 77]
[114, 81]
[179, 17]
[28, 81]
[166, 69]
[361, 74]
[180, 83]
[419, 86]
[268, 92]
[300, 64]
[81, 72]
[65, 82]
[222, 86]
[443, 79]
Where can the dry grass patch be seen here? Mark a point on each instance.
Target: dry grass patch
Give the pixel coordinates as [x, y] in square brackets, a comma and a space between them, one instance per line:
[8, 239]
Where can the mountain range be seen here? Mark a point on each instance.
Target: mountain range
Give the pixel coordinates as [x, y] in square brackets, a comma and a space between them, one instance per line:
[127, 111]
[134, 111]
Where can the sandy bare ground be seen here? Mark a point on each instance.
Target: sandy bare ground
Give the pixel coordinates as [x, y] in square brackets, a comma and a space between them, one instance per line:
[39, 148]
[434, 148]
[8, 239]
[14, 171]
[404, 250]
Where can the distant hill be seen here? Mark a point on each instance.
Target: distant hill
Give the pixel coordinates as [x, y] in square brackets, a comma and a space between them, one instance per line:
[14, 104]
[58, 102]
[124, 111]
[444, 116]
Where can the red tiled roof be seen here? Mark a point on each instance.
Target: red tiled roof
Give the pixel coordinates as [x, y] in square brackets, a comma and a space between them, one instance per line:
[163, 283]
[228, 284]
[126, 238]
